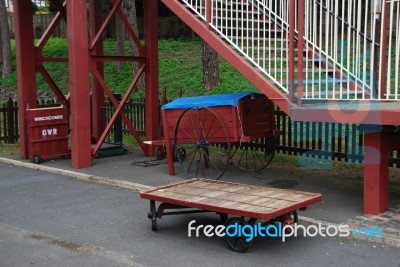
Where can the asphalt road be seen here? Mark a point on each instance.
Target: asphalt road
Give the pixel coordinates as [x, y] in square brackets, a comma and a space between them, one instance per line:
[51, 220]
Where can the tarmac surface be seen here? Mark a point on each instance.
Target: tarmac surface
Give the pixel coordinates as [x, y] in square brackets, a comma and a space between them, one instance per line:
[342, 196]
[48, 219]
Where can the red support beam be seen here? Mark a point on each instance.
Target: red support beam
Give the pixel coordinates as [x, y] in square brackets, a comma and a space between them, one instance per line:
[383, 49]
[129, 28]
[26, 67]
[300, 47]
[107, 21]
[97, 90]
[119, 109]
[376, 173]
[53, 85]
[78, 52]
[151, 77]
[292, 23]
[52, 26]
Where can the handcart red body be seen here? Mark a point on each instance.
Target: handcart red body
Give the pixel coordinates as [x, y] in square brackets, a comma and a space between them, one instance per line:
[255, 202]
[206, 133]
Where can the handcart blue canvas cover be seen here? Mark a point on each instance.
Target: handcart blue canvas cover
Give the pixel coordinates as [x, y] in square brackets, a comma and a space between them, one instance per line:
[209, 100]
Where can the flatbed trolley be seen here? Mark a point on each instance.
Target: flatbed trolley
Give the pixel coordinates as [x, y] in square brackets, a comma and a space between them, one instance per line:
[228, 199]
[207, 133]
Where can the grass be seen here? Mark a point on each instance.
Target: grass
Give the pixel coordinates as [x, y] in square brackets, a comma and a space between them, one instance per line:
[9, 149]
[180, 66]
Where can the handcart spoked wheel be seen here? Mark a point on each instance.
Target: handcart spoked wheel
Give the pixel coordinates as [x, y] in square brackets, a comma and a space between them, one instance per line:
[201, 132]
[201, 143]
[255, 155]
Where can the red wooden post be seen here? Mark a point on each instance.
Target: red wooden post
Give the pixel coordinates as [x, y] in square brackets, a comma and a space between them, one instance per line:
[376, 176]
[208, 13]
[300, 47]
[151, 79]
[383, 49]
[168, 143]
[25, 50]
[97, 91]
[292, 24]
[78, 52]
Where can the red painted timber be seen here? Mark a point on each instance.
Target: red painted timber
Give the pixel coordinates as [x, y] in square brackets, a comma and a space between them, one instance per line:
[78, 52]
[25, 50]
[376, 173]
[97, 91]
[365, 113]
[151, 77]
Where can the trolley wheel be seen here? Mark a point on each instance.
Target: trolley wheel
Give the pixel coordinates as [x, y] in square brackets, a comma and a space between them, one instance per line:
[295, 216]
[180, 154]
[160, 152]
[223, 217]
[37, 159]
[237, 243]
[201, 143]
[289, 219]
[152, 215]
[256, 155]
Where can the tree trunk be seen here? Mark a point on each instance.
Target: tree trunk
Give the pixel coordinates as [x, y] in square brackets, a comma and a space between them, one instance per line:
[130, 11]
[210, 67]
[1, 53]
[5, 40]
[120, 36]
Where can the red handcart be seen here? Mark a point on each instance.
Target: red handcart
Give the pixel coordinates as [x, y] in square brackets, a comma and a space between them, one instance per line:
[206, 133]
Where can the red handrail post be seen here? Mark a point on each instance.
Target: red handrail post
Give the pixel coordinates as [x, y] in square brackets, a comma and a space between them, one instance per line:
[383, 52]
[292, 24]
[300, 46]
[208, 13]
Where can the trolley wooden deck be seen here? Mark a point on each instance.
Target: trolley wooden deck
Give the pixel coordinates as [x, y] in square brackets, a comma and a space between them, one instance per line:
[243, 200]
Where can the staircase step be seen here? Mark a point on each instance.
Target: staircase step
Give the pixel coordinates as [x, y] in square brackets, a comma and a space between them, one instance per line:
[260, 39]
[316, 85]
[262, 48]
[306, 70]
[323, 82]
[296, 59]
[240, 28]
[336, 95]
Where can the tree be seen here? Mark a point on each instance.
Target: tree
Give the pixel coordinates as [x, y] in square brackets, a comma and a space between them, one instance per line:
[130, 10]
[5, 40]
[210, 67]
[34, 8]
[53, 8]
[120, 34]
[1, 53]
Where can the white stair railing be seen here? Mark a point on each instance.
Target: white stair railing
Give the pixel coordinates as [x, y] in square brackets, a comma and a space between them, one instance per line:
[351, 47]
[390, 85]
[250, 33]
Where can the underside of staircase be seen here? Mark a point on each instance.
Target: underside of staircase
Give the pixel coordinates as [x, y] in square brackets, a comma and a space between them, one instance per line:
[304, 81]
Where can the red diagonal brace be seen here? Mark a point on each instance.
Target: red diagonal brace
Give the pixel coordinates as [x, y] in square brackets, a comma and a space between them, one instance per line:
[53, 85]
[118, 110]
[106, 22]
[129, 28]
[52, 26]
